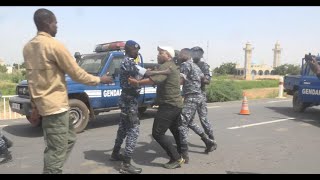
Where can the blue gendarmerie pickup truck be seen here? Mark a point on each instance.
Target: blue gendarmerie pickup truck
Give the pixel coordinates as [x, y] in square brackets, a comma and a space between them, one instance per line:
[305, 87]
[88, 101]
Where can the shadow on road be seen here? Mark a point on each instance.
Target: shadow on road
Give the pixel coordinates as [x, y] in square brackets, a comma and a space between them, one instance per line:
[24, 130]
[147, 152]
[103, 157]
[310, 116]
[113, 119]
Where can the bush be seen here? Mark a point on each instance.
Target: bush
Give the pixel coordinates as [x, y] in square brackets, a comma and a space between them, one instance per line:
[223, 90]
[15, 77]
[8, 88]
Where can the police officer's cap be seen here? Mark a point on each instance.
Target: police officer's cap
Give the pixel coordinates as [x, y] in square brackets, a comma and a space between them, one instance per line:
[131, 43]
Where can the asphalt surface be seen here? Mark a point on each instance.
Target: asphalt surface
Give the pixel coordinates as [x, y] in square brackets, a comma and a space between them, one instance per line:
[272, 139]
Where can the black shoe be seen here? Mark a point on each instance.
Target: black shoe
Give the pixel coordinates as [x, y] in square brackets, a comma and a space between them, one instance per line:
[185, 156]
[116, 157]
[8, 142]
[212, 148]
[209, 144]
[211, 137]
[5, 157]
[174, 164]
[129, 169]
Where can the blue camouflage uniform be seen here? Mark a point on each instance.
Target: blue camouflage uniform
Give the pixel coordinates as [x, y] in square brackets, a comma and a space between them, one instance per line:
[128, 103]
[202, 107]
[192, 98]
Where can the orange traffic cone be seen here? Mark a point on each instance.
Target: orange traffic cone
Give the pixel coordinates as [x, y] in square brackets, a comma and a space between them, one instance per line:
[244, 108]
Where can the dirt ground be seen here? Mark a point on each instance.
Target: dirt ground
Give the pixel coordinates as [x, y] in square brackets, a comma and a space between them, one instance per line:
[263, 93]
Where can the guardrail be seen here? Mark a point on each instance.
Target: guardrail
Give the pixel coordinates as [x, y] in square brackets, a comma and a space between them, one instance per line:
[5, 109]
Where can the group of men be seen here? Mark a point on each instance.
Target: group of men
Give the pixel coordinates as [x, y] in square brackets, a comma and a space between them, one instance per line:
[47, 61]
[176, 110]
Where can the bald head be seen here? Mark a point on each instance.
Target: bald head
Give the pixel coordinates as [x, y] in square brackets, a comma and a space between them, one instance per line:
[185, 54]
[45, 21]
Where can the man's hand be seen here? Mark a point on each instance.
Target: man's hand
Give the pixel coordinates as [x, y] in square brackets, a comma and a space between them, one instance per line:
[204, 80]
[132, 81]
[105, 79]
[35, 116]
[314, 66]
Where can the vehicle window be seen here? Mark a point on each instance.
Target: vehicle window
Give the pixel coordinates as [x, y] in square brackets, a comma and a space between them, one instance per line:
[93, 63]
[114, 66]
[308, 70]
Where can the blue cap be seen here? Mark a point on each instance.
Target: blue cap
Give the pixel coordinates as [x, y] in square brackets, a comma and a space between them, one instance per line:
[131, 43]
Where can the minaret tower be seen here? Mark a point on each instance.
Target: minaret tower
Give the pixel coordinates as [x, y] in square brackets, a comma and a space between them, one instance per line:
[248, 57]
[276, 55]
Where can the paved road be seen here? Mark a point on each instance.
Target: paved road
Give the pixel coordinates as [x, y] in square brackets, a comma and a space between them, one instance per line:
[273, 139]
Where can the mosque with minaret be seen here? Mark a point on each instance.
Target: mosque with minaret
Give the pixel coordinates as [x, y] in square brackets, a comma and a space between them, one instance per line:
[252, 71]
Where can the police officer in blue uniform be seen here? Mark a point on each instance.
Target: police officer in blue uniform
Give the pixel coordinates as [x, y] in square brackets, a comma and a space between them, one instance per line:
[128, 102]
[197, 53]
[192, 77]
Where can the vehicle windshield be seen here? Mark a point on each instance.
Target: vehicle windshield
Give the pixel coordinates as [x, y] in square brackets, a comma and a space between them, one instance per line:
[93, 63]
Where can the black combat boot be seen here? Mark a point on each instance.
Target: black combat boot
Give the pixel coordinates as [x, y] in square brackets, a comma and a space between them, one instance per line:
[116, 156]
[5, 156]
[128, 168]
[211, 136]
[9, 143]
[208, 142]
[214, 141]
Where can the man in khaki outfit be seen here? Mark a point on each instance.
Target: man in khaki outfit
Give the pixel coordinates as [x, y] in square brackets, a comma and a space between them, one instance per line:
[47, 61]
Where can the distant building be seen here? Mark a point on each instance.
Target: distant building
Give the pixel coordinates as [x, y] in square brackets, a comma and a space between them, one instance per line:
[252, 71]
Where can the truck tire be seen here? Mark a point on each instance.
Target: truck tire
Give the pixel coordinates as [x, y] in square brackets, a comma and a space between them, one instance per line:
[79, 115]
[297, 105]
[141, 110]
[36, 123]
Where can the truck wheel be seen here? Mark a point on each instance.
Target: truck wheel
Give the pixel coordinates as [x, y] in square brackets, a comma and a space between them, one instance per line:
[142, 110]
[36, 123]
[79, 114]
[298, 106]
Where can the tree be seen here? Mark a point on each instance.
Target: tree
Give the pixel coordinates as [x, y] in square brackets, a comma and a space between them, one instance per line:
[17, 66]
[287, 69]
[225, 68]
[3, 68]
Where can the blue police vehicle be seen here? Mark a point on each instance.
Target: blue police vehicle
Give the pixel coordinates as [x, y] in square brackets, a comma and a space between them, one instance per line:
[305, 88]
[86, 102]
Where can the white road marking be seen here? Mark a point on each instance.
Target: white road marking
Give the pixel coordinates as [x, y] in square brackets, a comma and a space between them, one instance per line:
[213, 107]
[3, 125]
[278, 101]
[261, 123]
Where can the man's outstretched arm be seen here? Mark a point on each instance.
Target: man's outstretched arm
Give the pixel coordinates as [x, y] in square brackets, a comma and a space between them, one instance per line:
[136, 83]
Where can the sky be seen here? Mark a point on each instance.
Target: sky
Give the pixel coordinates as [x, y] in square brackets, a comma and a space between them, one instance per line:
[222, 32]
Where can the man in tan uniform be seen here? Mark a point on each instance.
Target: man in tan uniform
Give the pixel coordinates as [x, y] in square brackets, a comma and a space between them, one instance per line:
[47, 61]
